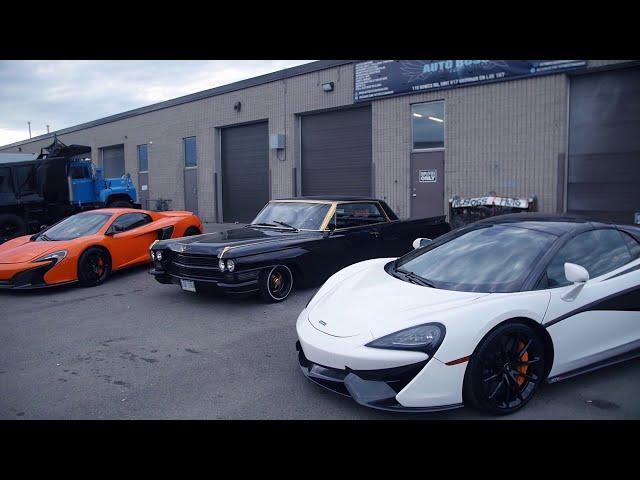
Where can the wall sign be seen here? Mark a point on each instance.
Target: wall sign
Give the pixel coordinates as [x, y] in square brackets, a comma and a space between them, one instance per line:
[382, 78]
[428, 176]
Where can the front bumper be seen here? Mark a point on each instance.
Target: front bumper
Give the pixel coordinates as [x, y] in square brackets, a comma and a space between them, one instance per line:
[24, 276]
[371, 388]
[229, 283]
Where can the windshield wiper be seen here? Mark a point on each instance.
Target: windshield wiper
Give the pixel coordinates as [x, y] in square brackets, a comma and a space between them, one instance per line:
[415, 278]
[285, 225]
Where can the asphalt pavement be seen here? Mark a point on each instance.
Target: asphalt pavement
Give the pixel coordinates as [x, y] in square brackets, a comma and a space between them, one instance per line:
[135, 349]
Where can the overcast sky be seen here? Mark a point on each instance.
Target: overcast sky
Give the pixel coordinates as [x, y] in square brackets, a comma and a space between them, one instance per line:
[65, 93]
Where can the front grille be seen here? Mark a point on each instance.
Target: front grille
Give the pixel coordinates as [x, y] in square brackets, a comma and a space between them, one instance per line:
[194, 266]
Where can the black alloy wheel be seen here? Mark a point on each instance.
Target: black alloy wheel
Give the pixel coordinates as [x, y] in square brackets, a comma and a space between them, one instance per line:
[191, 231]
[275, 283]
[94, 267]
[505, 370]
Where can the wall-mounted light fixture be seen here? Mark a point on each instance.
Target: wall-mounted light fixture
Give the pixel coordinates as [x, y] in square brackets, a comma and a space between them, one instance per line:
[328, 87]
[237, 106]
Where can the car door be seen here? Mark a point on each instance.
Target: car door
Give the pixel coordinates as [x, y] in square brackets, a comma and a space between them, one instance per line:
[357, 224]
[129, 238]
[599, 319]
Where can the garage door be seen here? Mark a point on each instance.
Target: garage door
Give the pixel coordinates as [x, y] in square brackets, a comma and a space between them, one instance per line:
[604, 145]
[336, 153]
[245, 171]
[112, 161]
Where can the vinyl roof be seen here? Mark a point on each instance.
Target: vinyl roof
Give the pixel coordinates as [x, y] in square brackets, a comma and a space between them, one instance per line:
[193, 97]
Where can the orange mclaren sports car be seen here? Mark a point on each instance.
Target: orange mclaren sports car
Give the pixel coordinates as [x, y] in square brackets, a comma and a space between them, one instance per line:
[88, 246]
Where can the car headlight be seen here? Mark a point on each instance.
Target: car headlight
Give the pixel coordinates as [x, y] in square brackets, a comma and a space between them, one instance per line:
[231, 265]
[153, 254]
[221, 265]
[55, 256]
[424, 338]
[159, 255]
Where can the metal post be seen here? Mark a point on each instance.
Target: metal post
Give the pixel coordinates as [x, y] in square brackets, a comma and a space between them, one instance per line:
[29, 123]
[47, 128]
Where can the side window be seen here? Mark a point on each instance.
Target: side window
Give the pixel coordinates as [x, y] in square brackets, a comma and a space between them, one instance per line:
[358, 215]
[632, 245]
[5, 180]
[129, 221]
[599, 251]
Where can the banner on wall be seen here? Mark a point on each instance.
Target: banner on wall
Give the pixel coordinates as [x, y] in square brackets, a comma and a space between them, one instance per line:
[382, 78]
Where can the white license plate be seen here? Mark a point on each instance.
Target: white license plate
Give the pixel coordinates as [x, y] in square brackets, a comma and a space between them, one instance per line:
[188, 285]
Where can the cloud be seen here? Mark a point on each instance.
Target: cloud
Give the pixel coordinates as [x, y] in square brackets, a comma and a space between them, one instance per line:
[65, 93]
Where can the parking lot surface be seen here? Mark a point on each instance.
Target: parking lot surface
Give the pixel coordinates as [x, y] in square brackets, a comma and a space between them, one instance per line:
[135, 349]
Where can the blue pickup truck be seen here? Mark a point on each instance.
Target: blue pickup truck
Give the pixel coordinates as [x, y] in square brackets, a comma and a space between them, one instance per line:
[61, 181]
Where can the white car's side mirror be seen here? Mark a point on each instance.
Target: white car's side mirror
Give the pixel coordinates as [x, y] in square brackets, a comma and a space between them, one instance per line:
[421, 242]
[576, 273]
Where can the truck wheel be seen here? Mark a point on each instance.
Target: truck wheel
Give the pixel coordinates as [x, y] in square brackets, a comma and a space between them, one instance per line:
[11, 226]
[120, 204]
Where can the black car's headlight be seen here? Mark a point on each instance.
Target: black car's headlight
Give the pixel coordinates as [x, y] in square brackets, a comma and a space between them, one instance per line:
[54, 256]
[423, 338]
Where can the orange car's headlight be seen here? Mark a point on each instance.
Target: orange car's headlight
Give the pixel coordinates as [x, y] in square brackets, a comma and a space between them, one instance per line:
[54, 256]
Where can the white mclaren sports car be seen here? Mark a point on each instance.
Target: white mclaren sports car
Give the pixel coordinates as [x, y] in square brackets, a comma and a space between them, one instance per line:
[481, 316]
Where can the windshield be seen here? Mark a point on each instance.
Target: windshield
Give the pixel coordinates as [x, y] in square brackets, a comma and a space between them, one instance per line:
[76, 226]
[490, 259]
[302, 215]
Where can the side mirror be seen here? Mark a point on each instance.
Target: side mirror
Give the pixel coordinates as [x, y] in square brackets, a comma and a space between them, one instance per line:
[421, 242]
[576, 273]
[331, 227]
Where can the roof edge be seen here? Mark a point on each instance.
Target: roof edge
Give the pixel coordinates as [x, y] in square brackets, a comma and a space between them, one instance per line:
[278, 75]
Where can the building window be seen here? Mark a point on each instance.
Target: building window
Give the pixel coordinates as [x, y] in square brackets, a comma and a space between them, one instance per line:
[143, 158]
[190, 159]
[427, 120]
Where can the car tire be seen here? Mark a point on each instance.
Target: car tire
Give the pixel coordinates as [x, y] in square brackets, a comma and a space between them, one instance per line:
[120, 204]
[505, 369]
[275, 283]
[94, 267]
[191, 231]
[11, 226]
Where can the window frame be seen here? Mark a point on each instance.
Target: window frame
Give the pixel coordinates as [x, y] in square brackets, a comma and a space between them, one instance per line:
[334, 214]
[561, 244]
[146, 145]
[444, 127]
[184, 151]
[111, 229]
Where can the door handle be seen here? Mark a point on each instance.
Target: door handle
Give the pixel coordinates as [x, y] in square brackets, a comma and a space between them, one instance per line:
[414, 195]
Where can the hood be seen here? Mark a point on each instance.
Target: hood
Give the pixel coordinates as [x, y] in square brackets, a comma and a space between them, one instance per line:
[22, 249]
[373, 303]
[214, 242]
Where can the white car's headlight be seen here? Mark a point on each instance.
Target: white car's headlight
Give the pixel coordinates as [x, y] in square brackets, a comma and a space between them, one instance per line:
[424, 338]
[54, 256]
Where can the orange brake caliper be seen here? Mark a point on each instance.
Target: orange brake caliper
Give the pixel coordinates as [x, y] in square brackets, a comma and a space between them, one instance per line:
[522, 369]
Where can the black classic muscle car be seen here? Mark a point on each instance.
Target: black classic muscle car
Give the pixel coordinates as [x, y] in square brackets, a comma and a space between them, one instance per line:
[299, 241]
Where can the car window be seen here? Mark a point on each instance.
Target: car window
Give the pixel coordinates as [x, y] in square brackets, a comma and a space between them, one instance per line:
[304, 215]
[599, 251]
[358, 214]
[129, 221]
[5, 180]
[491, 259]
[632, 245]
[76, 226]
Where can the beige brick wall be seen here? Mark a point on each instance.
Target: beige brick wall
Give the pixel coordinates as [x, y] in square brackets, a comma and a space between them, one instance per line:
[504, 136]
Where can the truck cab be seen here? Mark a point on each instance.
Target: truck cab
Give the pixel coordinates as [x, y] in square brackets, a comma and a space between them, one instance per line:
[88, 187]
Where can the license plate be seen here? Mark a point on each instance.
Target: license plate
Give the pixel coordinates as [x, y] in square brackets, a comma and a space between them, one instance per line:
[188, 285]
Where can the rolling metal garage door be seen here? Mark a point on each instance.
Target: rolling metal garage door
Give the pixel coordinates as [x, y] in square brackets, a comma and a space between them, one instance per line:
[336, 153]
[604, 145]
[112, 161]
[245, 171]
